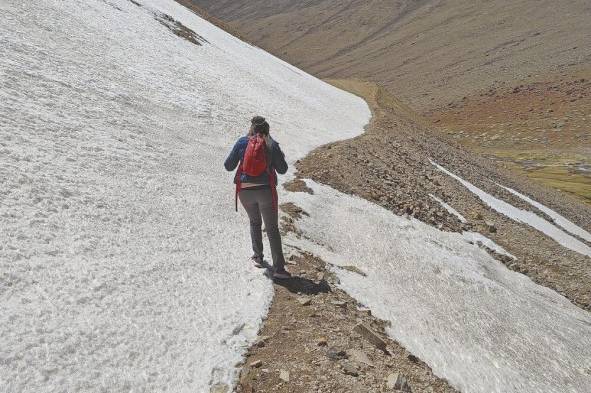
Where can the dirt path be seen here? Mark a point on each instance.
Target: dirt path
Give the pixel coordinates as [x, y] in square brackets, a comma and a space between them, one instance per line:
[389, 165]
[317, 339]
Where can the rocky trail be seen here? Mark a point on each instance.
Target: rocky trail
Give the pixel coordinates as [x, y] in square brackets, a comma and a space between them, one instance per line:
[316, 338]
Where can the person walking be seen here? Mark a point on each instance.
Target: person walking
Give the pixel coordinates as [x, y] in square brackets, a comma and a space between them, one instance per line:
[259, 158]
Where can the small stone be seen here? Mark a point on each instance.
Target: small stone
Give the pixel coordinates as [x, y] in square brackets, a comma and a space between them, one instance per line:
[359, 357]
[370, 336]
[354, 269]
[490, 227]
[365, 311]
[339, 303]
[261, 341]
[284, 375]
[349, 369]
[256, 364]
[413, 358]
[304, 301]
[219, 388]
[336, 354]
[398, 381]
[322, 342]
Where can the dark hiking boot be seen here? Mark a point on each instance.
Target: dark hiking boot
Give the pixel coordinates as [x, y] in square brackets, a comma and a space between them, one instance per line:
[258, 261]
[281, 274]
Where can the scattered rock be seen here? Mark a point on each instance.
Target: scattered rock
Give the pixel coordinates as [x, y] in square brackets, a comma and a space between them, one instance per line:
[490, 227]
[360, 357]
[339, 303]
[261, 341]
[365, 311]
[219, 388]
[297, 185]
[336, 354]
[293, 210]
[256, 364]
[322, 342]
[398, 381]
[367, 333]
[284, 375]
[349, 369]
[354, 269]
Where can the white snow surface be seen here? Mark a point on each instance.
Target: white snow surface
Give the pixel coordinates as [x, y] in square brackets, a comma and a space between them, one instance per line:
[447, 207]
[123, 266]
[524, 216]
[559, 219]
[480, 325]
[476, 238]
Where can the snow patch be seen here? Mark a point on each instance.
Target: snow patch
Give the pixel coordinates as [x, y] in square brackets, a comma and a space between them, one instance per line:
[560, 220]
[448, 208]
[523, 216]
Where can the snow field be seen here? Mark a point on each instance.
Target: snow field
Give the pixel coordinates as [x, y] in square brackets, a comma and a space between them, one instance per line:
[123, 264]
[480, 325]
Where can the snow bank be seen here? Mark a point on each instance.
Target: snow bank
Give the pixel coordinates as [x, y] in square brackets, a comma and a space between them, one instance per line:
[122, 262]
[560, 220]
[448, 208]
[480, 325]
[524, 216]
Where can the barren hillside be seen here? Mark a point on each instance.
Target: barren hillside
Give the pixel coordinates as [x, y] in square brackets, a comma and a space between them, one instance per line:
[510, 78]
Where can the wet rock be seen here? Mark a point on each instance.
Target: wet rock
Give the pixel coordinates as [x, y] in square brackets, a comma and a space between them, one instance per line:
[398, 381]
[367, 333]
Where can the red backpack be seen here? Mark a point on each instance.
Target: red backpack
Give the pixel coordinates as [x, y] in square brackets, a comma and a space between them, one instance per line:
[255, 163]
[255, 156]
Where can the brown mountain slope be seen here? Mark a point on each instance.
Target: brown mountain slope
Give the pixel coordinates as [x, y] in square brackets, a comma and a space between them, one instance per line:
[423, 49]
[506, 77]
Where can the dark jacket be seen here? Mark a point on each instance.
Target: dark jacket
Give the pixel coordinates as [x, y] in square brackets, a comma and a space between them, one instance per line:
[236, 156]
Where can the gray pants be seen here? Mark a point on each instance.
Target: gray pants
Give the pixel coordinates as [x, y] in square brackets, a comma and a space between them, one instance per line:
[259, 203]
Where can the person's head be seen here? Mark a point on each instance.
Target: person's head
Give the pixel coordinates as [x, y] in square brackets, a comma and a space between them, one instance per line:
[258, 125]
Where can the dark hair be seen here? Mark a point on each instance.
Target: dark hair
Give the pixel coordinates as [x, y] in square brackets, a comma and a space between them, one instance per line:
[260, 125]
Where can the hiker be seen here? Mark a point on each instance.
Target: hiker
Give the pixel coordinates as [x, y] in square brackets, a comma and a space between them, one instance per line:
[258, 158]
